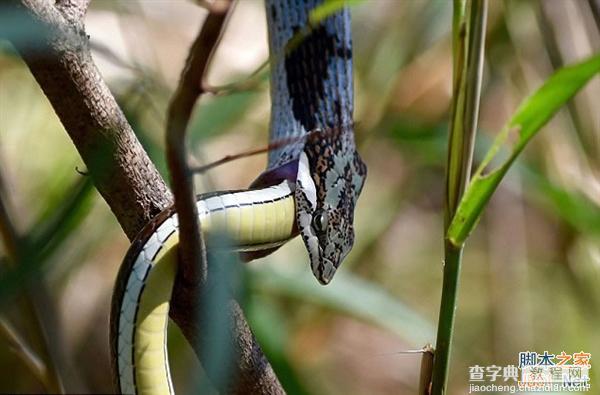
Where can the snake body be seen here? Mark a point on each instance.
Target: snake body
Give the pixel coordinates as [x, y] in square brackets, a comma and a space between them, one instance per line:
[310, 187]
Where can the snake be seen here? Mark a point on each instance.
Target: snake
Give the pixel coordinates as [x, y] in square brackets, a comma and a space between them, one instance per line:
[309, 188]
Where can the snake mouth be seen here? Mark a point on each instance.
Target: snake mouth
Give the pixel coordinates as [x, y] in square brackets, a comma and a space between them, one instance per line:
[325, 271]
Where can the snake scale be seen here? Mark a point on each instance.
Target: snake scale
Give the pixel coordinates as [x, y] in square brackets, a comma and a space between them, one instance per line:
[310, 188]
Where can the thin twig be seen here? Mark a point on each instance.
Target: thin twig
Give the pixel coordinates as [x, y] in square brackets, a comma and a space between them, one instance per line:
[192, 253]
[229, 158]
[272, 146]
[19, 346]
[248, 83]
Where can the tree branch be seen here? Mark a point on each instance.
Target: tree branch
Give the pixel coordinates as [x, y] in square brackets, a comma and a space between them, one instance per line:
[56, 50]
[57, 53]
[73, 10]
[253, 374]
[191, 248]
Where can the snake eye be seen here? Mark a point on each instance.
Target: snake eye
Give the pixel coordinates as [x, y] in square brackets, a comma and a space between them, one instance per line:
[320, 221]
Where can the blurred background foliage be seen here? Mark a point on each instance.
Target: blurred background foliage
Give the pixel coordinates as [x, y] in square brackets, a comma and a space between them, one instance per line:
[532, 268]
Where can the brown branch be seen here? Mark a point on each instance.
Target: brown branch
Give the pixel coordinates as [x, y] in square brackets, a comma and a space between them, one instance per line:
[229, 158]
[191, 248]
[253, 374]
[73, 10]
[256, 151]
[56, 50]
[57, 53]
[246, 84]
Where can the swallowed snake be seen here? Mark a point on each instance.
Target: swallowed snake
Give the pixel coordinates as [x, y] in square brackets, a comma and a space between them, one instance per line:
[310, 188]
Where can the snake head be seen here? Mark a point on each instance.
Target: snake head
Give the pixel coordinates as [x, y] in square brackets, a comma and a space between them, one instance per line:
[330, 178]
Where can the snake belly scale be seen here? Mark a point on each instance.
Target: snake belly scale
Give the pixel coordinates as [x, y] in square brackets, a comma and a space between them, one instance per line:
[310, 187]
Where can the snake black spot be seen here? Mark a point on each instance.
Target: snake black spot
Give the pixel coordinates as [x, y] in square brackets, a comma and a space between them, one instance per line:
[344, 52]
[307, 69]
[273, 12]
[338, 111]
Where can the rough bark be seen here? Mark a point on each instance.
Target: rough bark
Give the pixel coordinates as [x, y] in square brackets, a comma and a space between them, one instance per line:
[253, 373]
[56, 50]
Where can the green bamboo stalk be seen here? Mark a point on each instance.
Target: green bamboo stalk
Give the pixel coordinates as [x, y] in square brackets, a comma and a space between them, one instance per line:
[469, 21]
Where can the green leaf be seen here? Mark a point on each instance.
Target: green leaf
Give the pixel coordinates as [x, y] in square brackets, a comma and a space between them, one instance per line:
[217, 352]
[329, 7]
[60, 220]
[572, 207]
[529, 118]
[349, 295]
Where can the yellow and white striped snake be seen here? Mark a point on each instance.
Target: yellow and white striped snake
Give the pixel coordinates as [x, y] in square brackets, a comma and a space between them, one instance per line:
[310, 188]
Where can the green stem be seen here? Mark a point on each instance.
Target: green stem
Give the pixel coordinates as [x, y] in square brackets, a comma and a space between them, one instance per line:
[441, 362]
[469, 22]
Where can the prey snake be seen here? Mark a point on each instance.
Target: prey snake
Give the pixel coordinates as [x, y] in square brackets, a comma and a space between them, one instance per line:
[310, 188]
